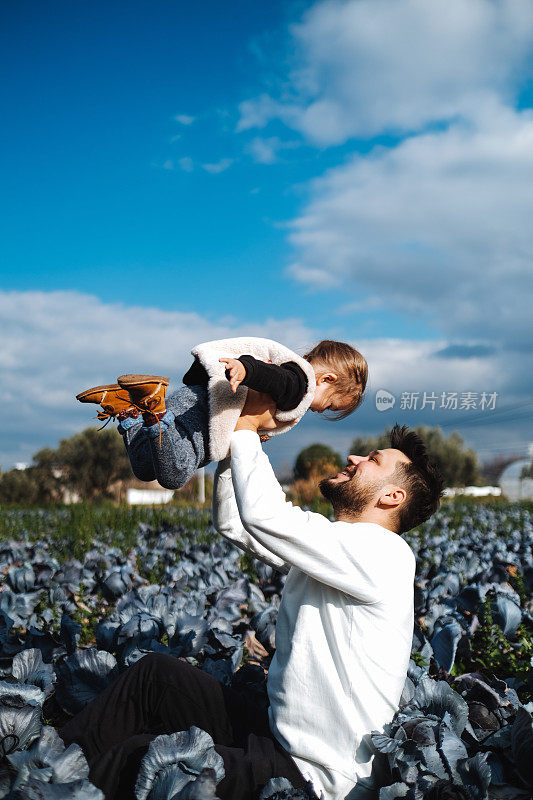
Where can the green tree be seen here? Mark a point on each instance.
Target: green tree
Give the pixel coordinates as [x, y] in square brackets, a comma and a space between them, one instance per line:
[90, 461]
[458, 464]
[45, 473]
[17, 486]
[314, 458]
[87, 463]
[35, 485]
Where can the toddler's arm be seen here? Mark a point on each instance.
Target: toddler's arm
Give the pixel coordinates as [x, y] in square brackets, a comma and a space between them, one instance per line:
[285, 383]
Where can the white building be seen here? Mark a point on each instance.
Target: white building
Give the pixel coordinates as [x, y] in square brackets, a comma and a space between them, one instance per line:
[135, 497]
[473, 491]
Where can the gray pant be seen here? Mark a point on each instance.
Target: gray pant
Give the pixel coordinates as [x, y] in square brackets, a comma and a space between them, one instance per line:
[184, 440]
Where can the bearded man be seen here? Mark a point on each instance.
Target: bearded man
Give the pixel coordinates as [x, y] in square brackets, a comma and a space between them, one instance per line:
[345, 623]
[343, 634]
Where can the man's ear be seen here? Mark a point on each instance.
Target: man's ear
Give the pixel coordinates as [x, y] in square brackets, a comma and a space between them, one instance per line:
[392, 497]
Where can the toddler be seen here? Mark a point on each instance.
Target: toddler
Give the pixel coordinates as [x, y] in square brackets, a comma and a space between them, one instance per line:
[169, 438]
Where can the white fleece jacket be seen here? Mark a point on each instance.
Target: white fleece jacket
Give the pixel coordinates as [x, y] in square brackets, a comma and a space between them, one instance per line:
[344, 627]
[224, 406]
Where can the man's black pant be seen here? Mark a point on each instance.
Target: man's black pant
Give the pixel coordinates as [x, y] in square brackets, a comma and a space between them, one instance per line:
[161, 695]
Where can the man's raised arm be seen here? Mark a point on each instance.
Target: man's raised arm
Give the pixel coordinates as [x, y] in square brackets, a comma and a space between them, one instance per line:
[227, 521]
[351, 562]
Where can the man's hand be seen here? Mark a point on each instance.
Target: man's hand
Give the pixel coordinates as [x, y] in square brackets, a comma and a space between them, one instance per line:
[258, 413]
[237, 372]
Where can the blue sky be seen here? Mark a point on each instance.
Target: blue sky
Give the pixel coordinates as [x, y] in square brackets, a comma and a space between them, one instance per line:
[268, 164]
[93, 92]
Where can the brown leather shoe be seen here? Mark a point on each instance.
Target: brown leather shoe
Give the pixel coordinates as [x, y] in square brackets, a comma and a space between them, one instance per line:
[146, 392]
[112, 398]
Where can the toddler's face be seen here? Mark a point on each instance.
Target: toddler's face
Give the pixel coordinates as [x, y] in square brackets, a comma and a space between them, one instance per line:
[327, 398]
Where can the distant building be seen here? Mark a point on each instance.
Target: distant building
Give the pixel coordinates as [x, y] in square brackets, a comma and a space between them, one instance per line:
[69, 496]
[133, 491]
[473, 491]
[136, 492]
[135, 497]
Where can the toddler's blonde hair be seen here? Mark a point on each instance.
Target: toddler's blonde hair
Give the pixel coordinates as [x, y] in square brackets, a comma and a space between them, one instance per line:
[349, 365]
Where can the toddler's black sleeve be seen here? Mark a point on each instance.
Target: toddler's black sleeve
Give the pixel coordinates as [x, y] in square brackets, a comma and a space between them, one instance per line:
[285, 383]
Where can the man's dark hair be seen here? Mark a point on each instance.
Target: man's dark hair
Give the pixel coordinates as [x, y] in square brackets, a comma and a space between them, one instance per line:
[421, 478]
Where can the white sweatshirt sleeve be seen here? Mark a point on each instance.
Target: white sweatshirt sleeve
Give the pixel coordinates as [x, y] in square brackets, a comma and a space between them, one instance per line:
[342, 555]
[228, 523]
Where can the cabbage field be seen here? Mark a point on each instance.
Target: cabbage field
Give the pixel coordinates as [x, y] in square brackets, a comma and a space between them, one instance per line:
[85, 592]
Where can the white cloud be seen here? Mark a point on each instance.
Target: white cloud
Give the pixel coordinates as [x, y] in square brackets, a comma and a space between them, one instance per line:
[258, 112]
[400, 365]
[184, 119]
[373, 303]
[219, 166]
[318, 277]
[439, 225]
[186, 164]
[266, 150]
[168, 164]
[367, 66]
[55, 344]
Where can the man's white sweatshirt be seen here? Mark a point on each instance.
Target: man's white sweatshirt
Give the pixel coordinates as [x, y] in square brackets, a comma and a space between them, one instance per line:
[344, 627]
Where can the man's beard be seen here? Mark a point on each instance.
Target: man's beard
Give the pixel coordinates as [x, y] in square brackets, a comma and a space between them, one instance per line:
[348, 497]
